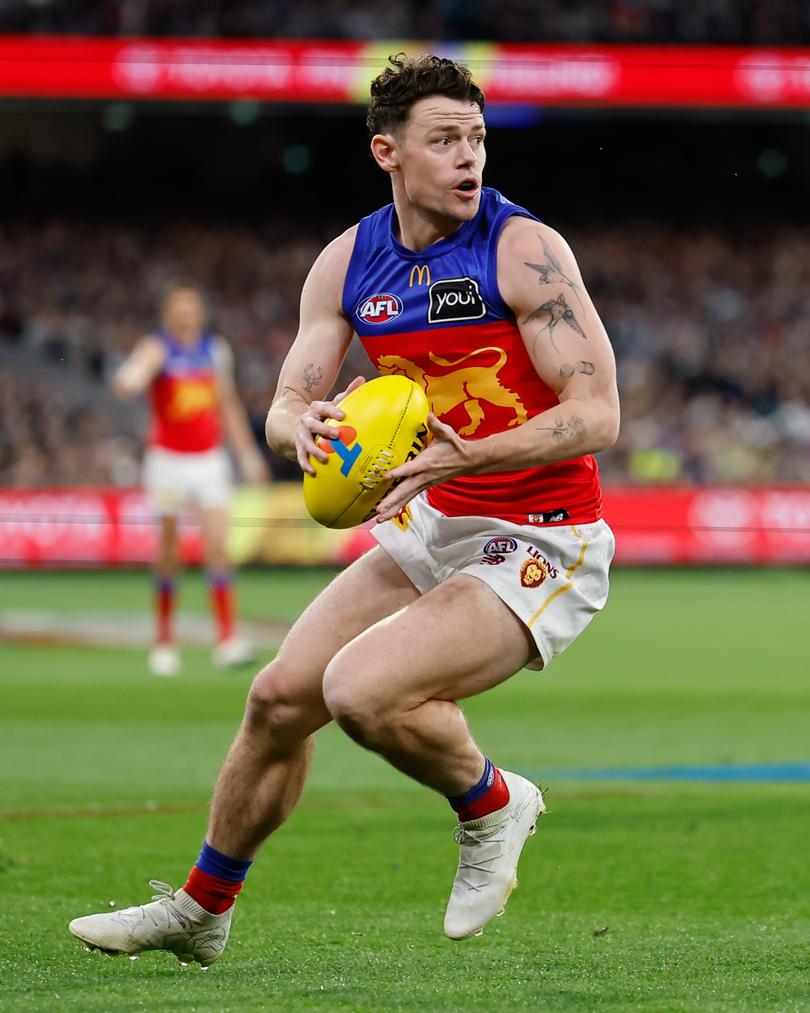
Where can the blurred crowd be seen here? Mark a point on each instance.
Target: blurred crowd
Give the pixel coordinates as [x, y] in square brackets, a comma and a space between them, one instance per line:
[710, 330]
[766, 22]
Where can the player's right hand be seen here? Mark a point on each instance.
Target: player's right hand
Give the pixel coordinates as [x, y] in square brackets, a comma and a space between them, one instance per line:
[312, 425]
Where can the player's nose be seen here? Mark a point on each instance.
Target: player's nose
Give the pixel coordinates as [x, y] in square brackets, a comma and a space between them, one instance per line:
[467, 154]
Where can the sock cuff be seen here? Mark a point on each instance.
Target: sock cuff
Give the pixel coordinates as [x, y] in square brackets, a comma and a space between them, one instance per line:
[165, 585]
[477, 790]
[214, 863]
[219, 578]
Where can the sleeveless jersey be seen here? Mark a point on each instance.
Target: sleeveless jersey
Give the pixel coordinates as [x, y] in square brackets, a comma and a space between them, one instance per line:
[438, 317]
[184, 399]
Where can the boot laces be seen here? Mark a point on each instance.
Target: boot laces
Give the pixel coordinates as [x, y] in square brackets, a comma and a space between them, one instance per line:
[164, 891]
[470, 841]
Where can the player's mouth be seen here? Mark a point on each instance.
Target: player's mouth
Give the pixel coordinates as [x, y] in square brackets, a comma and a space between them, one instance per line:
[468, 188]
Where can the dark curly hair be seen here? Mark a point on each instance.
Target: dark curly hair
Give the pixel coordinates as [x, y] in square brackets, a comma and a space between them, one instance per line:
[410, 78]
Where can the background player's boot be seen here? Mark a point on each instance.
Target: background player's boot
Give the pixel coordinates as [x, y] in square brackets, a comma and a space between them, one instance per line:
[233, 653]
[164, 660]
[487, 864]
[173, 921]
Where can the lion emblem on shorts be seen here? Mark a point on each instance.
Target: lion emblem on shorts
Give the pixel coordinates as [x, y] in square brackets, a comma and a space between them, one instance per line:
[533, 572]
[473, 385]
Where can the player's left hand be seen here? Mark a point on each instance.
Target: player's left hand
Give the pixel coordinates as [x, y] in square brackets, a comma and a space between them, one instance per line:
[446, 456]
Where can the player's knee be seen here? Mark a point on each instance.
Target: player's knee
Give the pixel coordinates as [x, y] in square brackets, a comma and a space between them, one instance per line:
[275, 705]
[352, 704]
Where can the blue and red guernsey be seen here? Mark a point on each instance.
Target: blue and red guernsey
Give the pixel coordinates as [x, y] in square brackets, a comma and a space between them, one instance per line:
[184, 398]
[438, 317]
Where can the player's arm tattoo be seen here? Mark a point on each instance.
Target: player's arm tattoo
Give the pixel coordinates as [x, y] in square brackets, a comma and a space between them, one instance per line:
[566, 430]
[312, 376]
[567, 370]
[550, 271]
[557, 310]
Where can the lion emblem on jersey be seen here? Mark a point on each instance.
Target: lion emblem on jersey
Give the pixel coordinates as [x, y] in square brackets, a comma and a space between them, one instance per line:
[191, 398]
[468, 386]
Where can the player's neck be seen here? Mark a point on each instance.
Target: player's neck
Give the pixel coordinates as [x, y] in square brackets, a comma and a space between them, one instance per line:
[186, 338]
[417, 228]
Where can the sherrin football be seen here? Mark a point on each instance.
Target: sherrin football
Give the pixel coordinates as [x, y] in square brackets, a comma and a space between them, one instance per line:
[385, 425]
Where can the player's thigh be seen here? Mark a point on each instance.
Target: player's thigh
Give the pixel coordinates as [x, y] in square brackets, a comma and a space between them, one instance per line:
[370, 589]
[455, 641]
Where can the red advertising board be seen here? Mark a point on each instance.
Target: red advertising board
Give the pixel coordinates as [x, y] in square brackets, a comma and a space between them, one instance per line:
[290, 71]
[669, 526]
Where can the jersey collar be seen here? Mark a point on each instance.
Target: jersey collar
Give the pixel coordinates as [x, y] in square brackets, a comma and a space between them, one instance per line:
[437, 249]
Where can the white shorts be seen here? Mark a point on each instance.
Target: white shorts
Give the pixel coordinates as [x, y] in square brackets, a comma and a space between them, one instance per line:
[172, 479]
[555, 578]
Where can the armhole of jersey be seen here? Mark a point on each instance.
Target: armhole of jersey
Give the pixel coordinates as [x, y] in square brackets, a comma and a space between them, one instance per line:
[222, 355]
[348, 297]
[495, 300]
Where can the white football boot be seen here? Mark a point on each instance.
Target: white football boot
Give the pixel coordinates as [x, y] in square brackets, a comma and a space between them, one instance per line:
[164, 660]
[487, 864]
[233, 652]
[174, 921]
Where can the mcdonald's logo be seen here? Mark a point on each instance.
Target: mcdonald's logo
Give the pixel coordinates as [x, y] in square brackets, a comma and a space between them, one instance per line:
[422, 274]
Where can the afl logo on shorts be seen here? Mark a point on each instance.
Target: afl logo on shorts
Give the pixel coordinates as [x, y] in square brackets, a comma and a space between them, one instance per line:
[455, 299]
[380, 308]
[500, 545]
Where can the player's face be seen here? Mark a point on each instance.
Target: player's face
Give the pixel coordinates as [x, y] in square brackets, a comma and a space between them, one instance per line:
[184, 314]
[441, 156]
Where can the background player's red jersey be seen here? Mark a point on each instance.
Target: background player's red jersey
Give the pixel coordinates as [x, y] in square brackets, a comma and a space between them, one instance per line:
[184, 398]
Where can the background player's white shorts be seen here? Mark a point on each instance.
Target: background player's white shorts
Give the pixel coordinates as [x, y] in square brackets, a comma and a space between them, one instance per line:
[172, 479]
[554, 578]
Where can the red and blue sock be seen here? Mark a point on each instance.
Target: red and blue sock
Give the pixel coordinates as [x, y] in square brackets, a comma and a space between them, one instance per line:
[485, 797]
[216, 879]
[164, 609]
[221, 596]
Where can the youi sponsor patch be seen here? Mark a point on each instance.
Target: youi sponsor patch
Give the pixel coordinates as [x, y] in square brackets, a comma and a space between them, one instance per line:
[455, 299]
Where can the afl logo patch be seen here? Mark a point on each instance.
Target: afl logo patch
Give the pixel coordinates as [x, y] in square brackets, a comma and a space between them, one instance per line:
[455, 299]
[501, 545]
[379, 308]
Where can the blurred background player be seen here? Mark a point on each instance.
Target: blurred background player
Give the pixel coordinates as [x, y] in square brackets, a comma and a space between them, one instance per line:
[188, 372]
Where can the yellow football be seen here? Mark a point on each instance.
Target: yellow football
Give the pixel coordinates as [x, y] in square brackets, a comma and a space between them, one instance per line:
[385, 425]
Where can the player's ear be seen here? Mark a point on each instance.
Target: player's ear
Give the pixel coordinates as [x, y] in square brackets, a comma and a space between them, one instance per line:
[384, 150]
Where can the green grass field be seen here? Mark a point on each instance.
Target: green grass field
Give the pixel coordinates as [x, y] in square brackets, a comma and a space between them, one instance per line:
[634, 895]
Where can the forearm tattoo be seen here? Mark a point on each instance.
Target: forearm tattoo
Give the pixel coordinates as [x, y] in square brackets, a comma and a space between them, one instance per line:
[557, 310]
[566, 430]
[567, 370]
[312, 376]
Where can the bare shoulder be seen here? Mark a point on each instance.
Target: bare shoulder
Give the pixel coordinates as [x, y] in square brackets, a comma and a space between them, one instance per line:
[323, 289]
[530, 251]
[223, 353]
[149, 348]
[334, 259]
